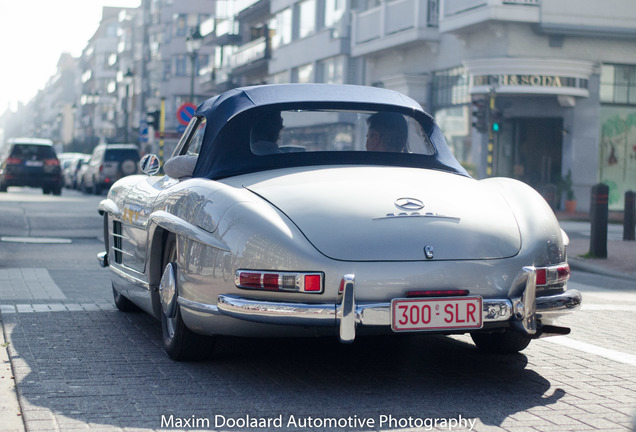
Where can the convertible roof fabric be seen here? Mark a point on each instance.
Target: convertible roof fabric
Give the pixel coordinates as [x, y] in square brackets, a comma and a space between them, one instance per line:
[225, 150]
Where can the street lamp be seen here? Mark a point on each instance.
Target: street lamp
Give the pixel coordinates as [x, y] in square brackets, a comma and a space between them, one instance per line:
[127, 80]
[193, 45]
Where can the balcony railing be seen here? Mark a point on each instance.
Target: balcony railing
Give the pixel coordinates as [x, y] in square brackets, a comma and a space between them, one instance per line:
[392, 18]
[250, 52]
[453, 7]
[243, 4]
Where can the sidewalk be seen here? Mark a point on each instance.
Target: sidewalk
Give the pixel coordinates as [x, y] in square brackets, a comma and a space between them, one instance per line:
[621, 254]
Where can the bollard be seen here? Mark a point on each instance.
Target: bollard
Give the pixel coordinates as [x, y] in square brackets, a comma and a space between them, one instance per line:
[598, 220]
[629, 216]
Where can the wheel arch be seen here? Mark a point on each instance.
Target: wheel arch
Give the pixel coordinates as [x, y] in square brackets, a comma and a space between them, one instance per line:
[157, 238]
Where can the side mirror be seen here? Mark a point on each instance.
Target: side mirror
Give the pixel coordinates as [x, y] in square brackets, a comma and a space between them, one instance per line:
[150, 164]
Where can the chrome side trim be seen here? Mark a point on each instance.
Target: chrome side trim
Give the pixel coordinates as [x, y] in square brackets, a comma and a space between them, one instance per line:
[180, 227]
[130, 278]
[198, 307]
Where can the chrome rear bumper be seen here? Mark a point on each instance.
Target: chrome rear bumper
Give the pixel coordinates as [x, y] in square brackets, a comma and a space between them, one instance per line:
[369, 314]
[523, 309]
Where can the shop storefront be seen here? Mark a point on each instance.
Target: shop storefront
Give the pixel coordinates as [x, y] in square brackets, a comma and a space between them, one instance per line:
[542, 124]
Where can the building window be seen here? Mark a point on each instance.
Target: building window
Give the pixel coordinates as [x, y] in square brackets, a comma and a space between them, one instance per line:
[201, 61]
[303, 74]
[618, 84]
[306, 18]
[331, 70]
[167, 71]
[281, 27]
[181, 25]
[279, 78]
[180, 65]
[334, 10]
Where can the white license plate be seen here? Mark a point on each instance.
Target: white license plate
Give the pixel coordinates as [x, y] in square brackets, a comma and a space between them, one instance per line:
[34, 163]
[448, 313]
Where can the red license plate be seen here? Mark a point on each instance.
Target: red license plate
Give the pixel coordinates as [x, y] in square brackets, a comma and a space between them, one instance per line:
[448, 313]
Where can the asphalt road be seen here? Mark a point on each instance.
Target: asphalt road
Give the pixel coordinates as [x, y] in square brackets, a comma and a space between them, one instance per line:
[80, 364]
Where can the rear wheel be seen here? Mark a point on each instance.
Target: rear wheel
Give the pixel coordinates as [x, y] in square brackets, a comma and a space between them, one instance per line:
[179, 342]
[506, 342]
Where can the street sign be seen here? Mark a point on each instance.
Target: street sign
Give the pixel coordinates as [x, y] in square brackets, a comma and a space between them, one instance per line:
[185, 113]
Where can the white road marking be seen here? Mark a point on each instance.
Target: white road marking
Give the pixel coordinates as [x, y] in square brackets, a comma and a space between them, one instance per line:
[609, 354]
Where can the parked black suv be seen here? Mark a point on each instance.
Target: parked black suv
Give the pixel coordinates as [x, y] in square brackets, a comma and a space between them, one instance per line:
[30, 162]
[109, 163]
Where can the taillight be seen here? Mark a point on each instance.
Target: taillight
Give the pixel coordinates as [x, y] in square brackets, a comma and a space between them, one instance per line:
[279, 281]
[14, 161]
[553, 275]
[51, 162]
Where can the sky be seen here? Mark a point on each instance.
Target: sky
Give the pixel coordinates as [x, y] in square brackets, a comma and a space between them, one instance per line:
[33, 35]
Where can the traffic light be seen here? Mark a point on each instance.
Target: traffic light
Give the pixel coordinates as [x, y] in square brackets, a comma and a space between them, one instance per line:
[496, 120]
[153, 119]
[480, 115]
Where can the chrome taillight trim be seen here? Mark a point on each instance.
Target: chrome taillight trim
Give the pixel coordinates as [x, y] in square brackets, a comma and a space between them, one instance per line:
[299, 280]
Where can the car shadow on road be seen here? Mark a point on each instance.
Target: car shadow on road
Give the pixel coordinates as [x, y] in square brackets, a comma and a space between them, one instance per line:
[108, 369]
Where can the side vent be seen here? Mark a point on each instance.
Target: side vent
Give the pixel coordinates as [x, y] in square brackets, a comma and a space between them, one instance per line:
[117, 242]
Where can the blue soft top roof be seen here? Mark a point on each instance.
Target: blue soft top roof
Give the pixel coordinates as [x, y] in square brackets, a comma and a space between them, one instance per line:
[225, 149]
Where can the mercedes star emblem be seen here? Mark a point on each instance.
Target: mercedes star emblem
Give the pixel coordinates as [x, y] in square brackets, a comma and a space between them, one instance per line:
[409, 204]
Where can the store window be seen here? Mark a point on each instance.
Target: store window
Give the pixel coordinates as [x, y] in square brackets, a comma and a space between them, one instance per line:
[618, 84]
[450, 87]
[451, 98]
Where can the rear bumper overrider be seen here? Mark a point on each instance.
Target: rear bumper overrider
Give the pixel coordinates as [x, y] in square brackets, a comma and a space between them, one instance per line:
[522, 309]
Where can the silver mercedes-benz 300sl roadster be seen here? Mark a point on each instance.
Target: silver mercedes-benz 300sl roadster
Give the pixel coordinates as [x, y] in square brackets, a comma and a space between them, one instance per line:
[312, 209]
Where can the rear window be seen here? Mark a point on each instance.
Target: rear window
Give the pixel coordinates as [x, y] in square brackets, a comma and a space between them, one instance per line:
[33, 151]
[119, 155]
[336, 131]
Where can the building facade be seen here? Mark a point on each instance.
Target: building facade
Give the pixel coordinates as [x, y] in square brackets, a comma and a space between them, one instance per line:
[559, 75]
[543, 91]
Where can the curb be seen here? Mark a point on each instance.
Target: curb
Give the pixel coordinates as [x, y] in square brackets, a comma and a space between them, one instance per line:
[580, 264]
[10, 409]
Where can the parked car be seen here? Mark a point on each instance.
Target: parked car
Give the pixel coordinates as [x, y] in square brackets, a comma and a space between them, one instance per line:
[72, 170]
[30, 162]
[109, 163]
[309, 209]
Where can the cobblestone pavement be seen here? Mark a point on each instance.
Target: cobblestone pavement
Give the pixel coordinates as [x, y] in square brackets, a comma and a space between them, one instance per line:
[86, 366]
[79, 364]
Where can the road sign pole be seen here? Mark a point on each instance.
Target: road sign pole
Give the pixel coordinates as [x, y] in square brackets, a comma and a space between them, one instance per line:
[162, 129]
